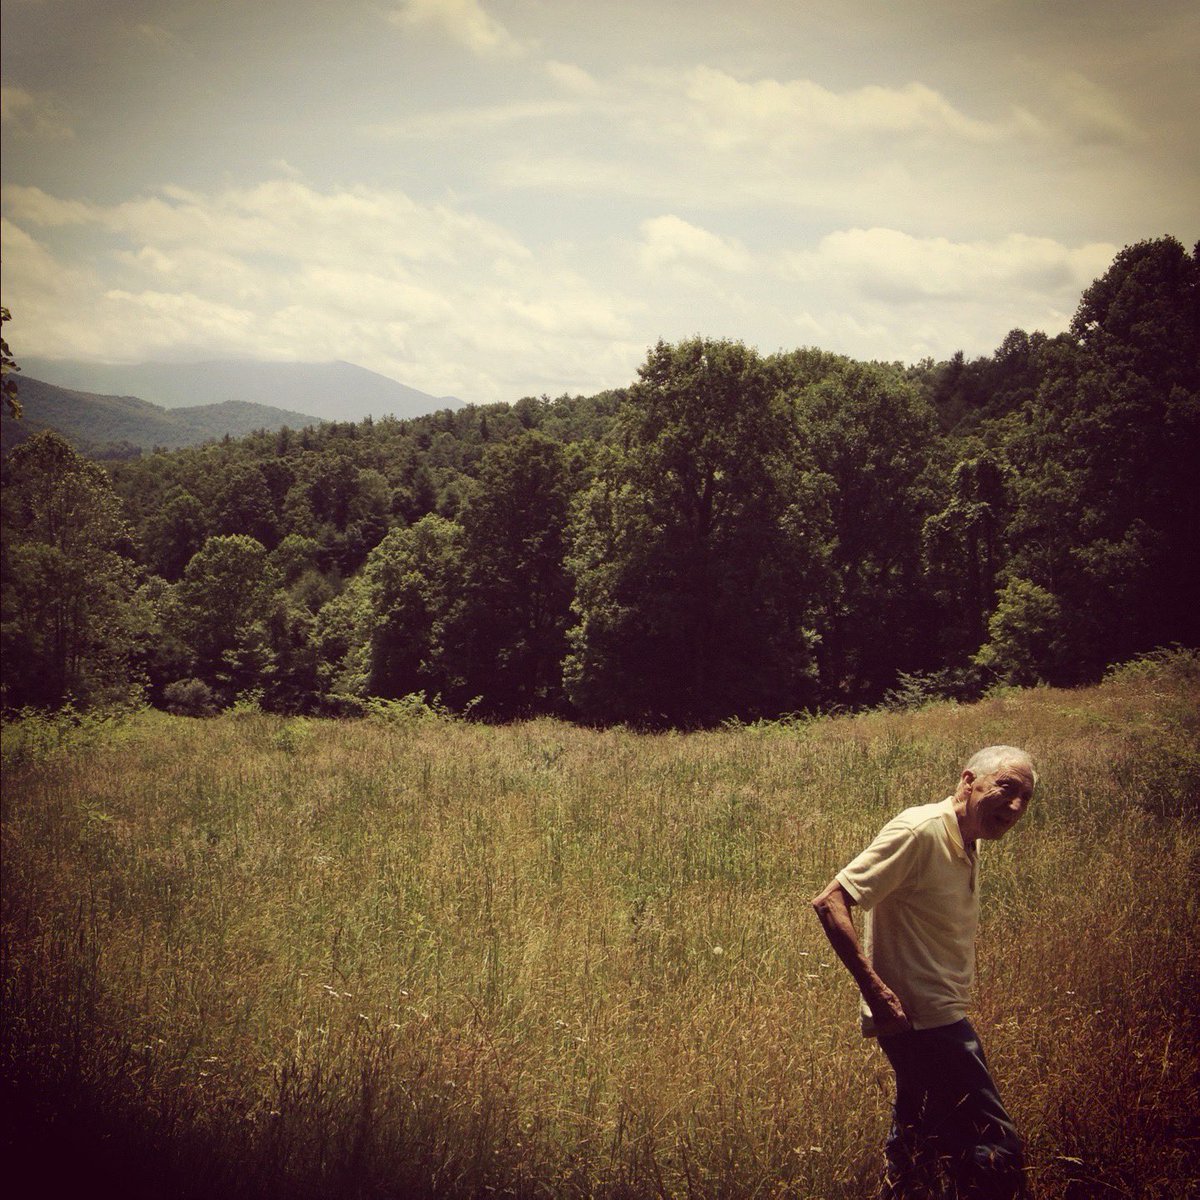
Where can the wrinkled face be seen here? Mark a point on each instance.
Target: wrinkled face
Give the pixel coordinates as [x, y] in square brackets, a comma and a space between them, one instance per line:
[998, 801]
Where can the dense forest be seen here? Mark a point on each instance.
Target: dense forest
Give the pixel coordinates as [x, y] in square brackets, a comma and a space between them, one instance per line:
[734, 535]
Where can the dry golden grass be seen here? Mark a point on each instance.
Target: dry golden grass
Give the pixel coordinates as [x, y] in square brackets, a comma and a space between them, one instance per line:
[255, 956]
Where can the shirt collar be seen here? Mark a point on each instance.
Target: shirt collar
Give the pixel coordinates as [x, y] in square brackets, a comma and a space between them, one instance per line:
[950, 818]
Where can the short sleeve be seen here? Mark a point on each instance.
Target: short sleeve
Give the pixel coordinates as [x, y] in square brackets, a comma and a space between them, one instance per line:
[883, 867]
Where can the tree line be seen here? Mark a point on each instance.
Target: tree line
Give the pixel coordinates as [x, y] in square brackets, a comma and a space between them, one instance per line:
[734, 535]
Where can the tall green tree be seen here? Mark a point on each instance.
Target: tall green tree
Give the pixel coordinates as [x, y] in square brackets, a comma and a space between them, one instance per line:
[963, 551]
[290, 679]
[871, 433]
[412, 587]
[1108, 496]
[173, 532]
[516, 592]
[698, 551]
[70, 620]
[218, 610]
[1025, 635]
[244, 504]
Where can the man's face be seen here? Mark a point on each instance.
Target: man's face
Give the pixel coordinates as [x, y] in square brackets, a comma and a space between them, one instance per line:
[998, 801]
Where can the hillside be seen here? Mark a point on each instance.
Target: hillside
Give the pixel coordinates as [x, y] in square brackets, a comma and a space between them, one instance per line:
[111, 426]
[332, 391]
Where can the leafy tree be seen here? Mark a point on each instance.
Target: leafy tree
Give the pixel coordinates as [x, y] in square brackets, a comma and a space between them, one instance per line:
[871, 433]
[294, 556]
[747, 535]
[312, 590]
[217, 608]
[962, 549]
[1014, 372]
[368, 519]
[245, 505]
[1141, 318]
[333, 484]
[1108, 496]
[697, 550]
[279, 476]
[1024, 635]
[342, 639]
[70, 621]
[417, 497]
[516, 598]
[174, 532]
[792, 371]
[298, 517]
[413, 582]
[968, 396]
[161, 657]
[291, 679]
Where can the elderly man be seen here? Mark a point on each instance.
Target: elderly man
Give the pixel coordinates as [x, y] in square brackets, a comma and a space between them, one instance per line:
[916, 882]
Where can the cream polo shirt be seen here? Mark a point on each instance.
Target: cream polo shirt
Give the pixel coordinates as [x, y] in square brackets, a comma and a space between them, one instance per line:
[916, 884]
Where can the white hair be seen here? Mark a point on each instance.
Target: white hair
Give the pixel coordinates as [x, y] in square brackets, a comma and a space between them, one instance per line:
[991, 759]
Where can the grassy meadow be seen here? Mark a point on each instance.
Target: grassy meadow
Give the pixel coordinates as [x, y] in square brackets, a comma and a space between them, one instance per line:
[412, 956]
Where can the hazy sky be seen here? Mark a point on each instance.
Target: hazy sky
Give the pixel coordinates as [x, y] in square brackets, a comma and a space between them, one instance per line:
[497, 198]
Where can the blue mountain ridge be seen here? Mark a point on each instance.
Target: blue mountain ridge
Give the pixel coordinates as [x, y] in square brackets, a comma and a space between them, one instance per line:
[329, 391]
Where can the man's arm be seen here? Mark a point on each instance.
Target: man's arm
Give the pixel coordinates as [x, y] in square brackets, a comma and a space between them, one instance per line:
[832, 907]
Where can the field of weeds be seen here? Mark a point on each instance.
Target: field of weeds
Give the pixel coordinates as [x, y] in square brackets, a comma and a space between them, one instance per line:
[409, 956]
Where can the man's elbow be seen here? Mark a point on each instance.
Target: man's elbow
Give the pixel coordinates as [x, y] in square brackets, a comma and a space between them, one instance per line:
[833, 904]
[821, 902]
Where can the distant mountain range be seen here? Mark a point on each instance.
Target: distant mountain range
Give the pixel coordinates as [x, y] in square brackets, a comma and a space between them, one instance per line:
[331, 391]
[111, 426]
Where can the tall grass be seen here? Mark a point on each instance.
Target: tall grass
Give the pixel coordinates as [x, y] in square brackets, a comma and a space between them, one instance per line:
[408, 956]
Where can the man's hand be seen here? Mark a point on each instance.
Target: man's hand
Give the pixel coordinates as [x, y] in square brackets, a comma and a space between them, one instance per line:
[888, 1015]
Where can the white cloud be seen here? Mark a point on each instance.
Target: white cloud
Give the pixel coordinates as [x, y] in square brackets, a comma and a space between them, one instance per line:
[173, 318]
[281, 166]
[49, 299]
[841, 329]
[389, 298]
[283, 217]
[465, 21]
[669, 242]
[32, 272]
[466, 122]
[1090, 113]
[729, 112]
[33, 206]
[891, 266]
[13, 102]
[908, 156]
[35, 116]
[451, 303]
[572, 78]
[437, 297]
[882, 293]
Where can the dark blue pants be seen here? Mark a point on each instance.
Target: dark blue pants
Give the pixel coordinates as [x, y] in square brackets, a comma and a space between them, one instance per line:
[950, 1134]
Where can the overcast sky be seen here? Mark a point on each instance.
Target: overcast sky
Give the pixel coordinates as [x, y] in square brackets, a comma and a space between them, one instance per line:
[498, 198]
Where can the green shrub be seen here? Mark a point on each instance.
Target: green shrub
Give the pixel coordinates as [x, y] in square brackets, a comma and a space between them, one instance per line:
[190, 698]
